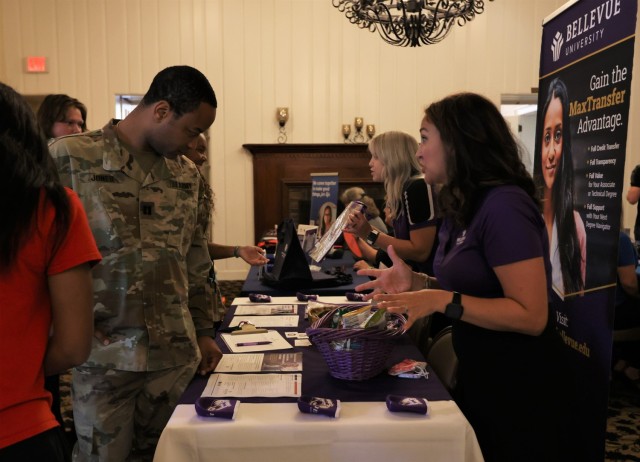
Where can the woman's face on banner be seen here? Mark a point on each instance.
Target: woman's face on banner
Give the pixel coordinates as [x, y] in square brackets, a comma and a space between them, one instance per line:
[327, 215]
[551, 142]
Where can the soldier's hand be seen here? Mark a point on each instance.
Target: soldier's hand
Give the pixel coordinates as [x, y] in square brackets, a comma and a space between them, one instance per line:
[211, 355]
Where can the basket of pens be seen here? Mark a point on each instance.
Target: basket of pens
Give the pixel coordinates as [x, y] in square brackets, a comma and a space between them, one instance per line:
[356, 340]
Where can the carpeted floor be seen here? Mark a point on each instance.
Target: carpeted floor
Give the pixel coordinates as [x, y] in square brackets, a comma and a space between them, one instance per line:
[623, 424]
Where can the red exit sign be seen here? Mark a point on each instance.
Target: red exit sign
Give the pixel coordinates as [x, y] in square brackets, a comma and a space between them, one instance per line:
[36, 64]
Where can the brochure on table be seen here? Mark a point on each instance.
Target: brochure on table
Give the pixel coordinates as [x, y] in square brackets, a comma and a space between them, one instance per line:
[250, 385]
[260, 362]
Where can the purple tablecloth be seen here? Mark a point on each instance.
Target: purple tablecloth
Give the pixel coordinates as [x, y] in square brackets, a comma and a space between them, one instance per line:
[316, 380]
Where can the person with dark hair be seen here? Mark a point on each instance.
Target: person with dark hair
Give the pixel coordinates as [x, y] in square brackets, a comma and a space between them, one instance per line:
[326, 219]
[60, 115]
[492, 279]
[565, 228]
[252, 255]
[46, 254]
[153, 320]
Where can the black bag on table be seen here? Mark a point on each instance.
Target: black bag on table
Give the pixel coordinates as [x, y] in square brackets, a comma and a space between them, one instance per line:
[291, 269]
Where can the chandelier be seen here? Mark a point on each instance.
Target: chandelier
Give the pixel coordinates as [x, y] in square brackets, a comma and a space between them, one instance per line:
[410, 22]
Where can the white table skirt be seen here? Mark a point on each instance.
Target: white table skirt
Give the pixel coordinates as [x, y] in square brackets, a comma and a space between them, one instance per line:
[278, 432]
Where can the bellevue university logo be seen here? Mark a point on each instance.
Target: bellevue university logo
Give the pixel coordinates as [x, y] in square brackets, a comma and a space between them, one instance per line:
[556, 46]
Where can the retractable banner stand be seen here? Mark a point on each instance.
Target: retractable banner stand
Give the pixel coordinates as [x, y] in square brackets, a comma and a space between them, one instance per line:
[324, 200]
[581, 139]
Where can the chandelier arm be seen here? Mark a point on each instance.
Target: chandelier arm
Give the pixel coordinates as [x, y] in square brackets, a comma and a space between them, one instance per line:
[410, 22]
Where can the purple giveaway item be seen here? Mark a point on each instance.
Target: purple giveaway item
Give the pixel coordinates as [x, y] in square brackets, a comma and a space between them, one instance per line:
[315, 405]
[398, 403]
[208, 406]
[259, 298]
[354, 297]
[306, 297]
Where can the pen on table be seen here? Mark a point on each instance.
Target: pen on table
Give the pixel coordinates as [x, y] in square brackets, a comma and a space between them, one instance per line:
[252, 343]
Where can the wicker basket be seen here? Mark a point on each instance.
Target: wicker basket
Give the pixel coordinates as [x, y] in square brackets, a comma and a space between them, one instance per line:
[367, 360]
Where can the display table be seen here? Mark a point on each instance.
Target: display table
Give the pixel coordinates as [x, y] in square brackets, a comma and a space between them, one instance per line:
[274, 429]
[278, 432]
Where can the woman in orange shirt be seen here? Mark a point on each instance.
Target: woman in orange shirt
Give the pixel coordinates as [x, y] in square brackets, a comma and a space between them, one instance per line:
[46, 298]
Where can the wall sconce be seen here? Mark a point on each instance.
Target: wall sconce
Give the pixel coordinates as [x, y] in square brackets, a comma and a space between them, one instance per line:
[358, 137]
[282, 115]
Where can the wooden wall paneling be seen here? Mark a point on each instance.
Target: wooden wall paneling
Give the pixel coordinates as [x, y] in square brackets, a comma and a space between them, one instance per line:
[82, 65]
[118, 50]
[283, 69]
[335, 114]
[320, 73]
[27, 34]
[254, 119]
[349, 51]
[388, 82]
[149, 32]
[135, 55]
[302, 69]
[62, 42]
[478, 55]
[269, 74]
[101, 105]
[47, 33]
[368, 80]
[169, 34]
[185, 36]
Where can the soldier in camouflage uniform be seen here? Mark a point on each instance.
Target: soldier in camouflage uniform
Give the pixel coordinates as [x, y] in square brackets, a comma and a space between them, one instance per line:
[153, 323]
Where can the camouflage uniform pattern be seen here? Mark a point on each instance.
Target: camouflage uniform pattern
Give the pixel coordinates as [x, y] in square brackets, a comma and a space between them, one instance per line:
[150, 290]
[117, 408]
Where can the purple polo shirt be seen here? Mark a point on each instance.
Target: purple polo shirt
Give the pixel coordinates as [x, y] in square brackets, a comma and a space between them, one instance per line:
[507, 228]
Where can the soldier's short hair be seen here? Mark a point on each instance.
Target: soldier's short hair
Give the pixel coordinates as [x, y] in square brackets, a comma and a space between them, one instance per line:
[183, 87]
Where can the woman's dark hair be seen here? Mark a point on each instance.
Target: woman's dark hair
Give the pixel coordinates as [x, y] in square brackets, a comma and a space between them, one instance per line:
[54, 109]
[26, 169]
[562, 194]
[482, 153]
[323, 226]
[183, 87]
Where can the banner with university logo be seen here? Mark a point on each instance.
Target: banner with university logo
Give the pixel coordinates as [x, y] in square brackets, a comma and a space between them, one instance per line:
[324, 200]
[581, 138]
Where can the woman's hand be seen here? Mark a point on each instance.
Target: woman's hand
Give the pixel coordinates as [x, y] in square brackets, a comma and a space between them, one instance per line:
[414, 305]
[358, 224]
[252, 255]
[394, 280]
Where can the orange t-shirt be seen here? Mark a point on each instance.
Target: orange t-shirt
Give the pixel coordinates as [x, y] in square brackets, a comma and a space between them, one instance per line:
[25, 319]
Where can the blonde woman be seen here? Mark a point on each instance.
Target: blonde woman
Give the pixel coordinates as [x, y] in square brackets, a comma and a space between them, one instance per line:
[409, 199]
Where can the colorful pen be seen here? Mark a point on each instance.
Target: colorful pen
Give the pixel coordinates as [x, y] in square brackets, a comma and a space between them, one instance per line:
[252, 343]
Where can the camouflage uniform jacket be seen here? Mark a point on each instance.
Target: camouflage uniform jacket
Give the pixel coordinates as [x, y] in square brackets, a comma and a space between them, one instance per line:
[150, 288]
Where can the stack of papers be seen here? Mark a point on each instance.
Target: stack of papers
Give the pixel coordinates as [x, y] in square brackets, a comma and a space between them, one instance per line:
[248, 385]
[260, 362]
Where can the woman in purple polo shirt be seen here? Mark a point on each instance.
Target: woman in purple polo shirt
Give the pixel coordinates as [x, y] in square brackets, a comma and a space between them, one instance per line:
[492, 278]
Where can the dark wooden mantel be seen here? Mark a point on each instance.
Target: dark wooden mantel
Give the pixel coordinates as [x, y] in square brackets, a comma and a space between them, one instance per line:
[278, 167]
